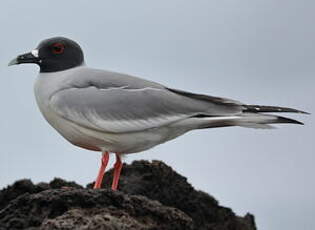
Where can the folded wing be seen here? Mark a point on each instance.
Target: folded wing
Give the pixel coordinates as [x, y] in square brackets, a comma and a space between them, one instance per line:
[130, 109]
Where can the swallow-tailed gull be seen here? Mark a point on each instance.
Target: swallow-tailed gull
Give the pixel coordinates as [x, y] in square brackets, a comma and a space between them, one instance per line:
[112, 112]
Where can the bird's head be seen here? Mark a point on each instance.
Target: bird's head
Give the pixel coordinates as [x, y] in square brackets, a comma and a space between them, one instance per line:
[53, 54]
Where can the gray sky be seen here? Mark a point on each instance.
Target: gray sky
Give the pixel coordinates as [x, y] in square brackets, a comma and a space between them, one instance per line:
[259, 52]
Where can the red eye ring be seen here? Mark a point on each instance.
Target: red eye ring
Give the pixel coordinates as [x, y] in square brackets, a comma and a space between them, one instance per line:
[58, 48]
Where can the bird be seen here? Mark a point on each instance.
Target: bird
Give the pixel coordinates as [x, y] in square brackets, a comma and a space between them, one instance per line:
[111, 112]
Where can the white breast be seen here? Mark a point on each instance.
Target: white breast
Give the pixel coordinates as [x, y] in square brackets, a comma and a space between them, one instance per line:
[45, 86]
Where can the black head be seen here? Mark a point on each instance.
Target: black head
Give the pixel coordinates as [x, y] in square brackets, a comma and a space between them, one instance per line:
[54, 54]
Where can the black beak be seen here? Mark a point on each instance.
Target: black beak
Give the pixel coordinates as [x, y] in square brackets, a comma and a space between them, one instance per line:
[25, 58]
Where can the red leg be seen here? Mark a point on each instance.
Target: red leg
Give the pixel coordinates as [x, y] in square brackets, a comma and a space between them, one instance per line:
[117, 169]
[101, 171]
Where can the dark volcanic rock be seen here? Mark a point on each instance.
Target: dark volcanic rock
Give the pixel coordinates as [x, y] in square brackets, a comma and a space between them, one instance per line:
[90, 209]
[158, 181]
[151, 196]
[26, 186]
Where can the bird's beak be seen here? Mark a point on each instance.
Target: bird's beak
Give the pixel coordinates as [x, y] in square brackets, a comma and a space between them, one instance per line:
[31, 57]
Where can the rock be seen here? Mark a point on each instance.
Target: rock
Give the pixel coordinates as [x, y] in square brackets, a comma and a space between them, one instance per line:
[26, 186]
[151, 196]
[158, 181]
[90, 209]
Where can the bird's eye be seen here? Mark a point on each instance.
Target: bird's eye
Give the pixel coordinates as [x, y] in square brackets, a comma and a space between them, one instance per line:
[58, 48]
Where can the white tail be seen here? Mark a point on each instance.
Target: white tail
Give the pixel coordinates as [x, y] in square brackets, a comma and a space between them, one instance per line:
[248, 120]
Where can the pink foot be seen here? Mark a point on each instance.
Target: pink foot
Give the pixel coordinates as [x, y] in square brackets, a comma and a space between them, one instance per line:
[117, 169]
[101, 171]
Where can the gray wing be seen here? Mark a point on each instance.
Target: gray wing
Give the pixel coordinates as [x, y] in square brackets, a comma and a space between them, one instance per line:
[120, 103]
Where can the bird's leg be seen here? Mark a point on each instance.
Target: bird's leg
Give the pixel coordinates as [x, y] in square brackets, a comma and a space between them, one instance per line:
[101, 171]
[117, 169]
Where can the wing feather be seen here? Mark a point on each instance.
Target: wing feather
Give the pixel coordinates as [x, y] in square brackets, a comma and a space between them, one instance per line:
[118, 110]
[119, 104]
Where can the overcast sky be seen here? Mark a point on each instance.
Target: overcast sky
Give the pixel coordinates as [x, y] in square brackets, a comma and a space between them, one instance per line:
[259, 52]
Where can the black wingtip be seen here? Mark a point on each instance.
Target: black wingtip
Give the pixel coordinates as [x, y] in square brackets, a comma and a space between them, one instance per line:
[272, 109]
[288, 121]
[303, 112]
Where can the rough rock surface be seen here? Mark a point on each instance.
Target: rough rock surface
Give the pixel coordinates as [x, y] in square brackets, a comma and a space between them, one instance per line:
[151, 196]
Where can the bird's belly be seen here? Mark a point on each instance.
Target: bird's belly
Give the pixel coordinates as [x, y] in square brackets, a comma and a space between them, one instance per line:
[113, 142]
[116, 142]
[97, 140]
